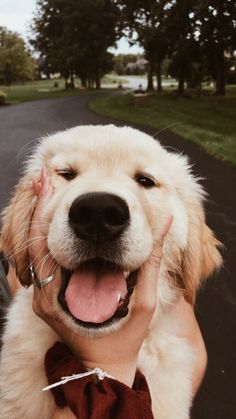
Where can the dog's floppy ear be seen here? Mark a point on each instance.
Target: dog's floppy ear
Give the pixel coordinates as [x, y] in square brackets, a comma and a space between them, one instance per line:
[201, 256]
[15, 228]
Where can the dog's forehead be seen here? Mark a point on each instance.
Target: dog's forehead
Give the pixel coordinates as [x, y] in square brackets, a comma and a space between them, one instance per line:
[93, 145]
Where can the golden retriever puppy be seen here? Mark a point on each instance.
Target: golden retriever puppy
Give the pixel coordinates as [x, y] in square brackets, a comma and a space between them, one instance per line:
[113, 191]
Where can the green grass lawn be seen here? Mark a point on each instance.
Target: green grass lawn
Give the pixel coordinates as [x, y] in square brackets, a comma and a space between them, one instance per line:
[209, 121]
[44, 89]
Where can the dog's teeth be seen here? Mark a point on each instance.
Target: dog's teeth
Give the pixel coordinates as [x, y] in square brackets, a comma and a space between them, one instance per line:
[126, 273]
[119, 298]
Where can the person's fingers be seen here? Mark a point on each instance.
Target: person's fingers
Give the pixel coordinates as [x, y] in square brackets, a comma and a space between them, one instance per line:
[43, 264]
[166, 227]
[43, 191]
[45, 301]
[38, 250]
[36, 187]
[145, 292]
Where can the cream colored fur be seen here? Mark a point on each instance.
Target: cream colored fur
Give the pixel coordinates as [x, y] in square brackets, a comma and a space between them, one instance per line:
[107, 158]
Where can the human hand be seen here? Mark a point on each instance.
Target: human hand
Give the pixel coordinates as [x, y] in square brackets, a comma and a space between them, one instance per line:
[45, 303]
[109, 352]
[116, 352]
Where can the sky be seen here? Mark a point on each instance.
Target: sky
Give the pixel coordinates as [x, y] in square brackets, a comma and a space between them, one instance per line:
[17, 14]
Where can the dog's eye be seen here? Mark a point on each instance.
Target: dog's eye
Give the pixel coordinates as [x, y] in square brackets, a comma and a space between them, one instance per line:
[145, 181]
[68, 174]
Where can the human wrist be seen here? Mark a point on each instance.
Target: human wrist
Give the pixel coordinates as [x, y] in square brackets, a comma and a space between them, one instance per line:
[61, 362]
[124, 372]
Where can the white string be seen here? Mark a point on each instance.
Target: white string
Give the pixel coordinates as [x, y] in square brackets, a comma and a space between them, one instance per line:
[96, 371]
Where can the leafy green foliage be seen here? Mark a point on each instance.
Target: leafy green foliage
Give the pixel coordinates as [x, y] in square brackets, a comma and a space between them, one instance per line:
[148, 21]
[216, 24]
[16, 62]
[73, 37]
[199, 36]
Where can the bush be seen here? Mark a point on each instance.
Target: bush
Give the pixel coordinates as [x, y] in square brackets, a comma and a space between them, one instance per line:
[3, 97]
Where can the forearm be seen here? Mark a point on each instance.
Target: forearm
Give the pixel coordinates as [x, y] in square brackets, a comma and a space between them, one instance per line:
[90, 398]
[200, 364]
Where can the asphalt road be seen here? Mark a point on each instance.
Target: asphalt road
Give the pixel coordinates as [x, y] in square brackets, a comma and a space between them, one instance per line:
[20, 125]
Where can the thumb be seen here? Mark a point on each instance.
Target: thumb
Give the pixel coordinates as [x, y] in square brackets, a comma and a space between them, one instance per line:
[43, 191]
[145, 293]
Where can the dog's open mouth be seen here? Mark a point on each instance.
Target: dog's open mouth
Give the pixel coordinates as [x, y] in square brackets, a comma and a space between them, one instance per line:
[97, 293]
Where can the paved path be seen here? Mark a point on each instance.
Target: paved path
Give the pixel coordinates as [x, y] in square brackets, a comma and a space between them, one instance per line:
[216, 306]
[21, 125]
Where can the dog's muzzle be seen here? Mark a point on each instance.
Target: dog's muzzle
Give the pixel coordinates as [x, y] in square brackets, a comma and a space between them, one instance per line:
[99, 217]
[98, 290]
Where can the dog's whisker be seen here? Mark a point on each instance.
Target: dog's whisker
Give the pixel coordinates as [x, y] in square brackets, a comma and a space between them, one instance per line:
[38, 255]
[32, 261]
[27, 227]
[52, 263]
[22, 248]
[23, 149]
[31, 240]
[166, 128]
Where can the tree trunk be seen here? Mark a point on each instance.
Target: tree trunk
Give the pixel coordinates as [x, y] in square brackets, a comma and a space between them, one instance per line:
[72, 82]
[181, 79]
[158, 76]
[150, 76]
[83, 82]
[66, 83]
[220, 75]
[180, 89]
[98, 80]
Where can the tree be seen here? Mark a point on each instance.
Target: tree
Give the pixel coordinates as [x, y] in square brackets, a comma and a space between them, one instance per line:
[122, 60]
[187, 64]
[184, 51]
[16, 63]
[216, 23]
[148, 20]
[198, 36]
[73, 37]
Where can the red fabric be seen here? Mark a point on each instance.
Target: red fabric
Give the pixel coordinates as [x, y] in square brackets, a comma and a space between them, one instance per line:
[105, 399]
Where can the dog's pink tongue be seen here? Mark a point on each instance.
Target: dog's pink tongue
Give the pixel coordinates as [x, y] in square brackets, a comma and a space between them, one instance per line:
[93, 296]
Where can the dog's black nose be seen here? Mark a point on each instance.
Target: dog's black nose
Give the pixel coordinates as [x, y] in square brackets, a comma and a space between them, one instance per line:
[98, 217]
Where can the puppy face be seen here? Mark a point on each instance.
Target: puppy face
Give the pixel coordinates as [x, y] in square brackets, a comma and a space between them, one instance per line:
[113, 191]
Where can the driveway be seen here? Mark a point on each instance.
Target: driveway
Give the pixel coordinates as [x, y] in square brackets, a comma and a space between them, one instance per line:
[21, 125]
[216, 304]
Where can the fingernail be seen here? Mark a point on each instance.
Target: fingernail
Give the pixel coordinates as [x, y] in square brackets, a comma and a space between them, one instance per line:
[167, 226]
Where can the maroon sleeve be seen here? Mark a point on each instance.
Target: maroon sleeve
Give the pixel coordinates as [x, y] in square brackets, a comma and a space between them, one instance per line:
[90, 399]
